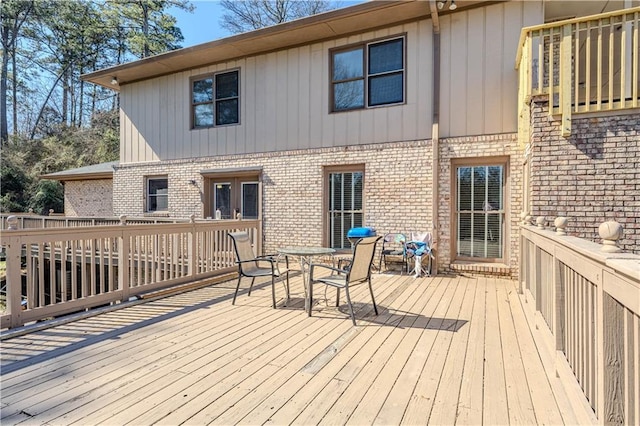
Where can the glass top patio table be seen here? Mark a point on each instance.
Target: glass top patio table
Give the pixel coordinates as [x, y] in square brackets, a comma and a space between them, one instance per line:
[305, 255]
[306, 251]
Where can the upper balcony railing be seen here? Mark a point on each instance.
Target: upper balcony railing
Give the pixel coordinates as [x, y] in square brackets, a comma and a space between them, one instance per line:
[583, 65]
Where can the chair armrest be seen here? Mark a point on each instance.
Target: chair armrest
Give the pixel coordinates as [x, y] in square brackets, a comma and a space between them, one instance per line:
[320, 265]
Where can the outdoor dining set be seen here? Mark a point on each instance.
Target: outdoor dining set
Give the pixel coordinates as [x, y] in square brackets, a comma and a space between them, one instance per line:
[413, 254]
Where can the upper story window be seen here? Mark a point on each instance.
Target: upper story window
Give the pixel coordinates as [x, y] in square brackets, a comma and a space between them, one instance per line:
[215, 100]
[368, 75]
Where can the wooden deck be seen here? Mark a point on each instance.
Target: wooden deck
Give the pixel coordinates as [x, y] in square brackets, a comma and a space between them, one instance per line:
[444, 350]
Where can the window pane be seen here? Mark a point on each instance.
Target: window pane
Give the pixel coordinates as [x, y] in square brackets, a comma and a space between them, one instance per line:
[347, 192]
[202, 90]
[477, 243]
[464, 234]
[227, 85]
[386, 56]
[357, 196]
[479, 188]
[494, 235]
[203, 115]
[386, 89]
[249, 200]
[227, 112]
[494, 194]
[222, 199]
[159, 203]
[464, 188]
[348, 65]
[158, 187]
[348, 95]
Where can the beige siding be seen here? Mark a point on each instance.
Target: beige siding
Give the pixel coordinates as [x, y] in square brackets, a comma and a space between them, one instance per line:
[478, 79]
[284, 105]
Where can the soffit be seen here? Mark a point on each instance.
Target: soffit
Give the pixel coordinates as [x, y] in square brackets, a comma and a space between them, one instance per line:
[337, 23]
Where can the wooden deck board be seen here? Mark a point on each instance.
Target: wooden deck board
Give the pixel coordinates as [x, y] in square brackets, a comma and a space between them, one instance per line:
[421, 403]
[470, 397]
[444, 350]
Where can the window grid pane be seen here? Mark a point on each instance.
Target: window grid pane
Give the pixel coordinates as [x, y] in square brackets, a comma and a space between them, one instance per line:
[480, 214]
[345, 206]
[249, 198]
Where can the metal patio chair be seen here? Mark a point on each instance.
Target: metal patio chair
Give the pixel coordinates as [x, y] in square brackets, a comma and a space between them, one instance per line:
[250, 265]
[359, 271]
[394, 245]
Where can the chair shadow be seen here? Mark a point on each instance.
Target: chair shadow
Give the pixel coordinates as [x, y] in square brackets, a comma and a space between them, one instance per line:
[386, 317]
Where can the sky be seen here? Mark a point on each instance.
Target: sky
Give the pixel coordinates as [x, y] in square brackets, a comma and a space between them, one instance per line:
[203, 24]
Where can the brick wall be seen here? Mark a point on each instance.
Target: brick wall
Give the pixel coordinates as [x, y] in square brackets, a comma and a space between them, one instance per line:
[590, 177]
[482, 147]
[397, 188]
[88, 198]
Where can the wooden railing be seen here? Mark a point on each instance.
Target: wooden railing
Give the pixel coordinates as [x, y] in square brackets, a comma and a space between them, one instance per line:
[587, 64]
[585, 302]
[33, 221]
[54, 271]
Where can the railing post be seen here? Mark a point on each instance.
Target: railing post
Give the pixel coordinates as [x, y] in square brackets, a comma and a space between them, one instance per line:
[565, 80]
[193, 248]
[124, 256]
[14, 281]
[560, 223]
[610, 232]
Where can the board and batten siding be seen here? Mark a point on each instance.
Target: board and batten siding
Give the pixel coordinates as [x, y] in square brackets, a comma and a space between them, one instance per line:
[478, 83]
[284, 105]
[284, 95]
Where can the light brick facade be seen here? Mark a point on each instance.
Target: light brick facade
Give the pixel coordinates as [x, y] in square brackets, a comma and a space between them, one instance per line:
[590, 177]
[88, 198]
[397, 188]
[476, 149]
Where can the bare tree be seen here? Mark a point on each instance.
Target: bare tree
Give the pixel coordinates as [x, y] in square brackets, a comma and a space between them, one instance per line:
[246, 15]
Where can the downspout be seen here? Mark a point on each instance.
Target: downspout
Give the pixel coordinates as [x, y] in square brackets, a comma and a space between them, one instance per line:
[435, 130]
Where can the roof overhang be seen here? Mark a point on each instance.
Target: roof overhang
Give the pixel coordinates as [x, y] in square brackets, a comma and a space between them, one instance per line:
[324, 26]
[94, 172]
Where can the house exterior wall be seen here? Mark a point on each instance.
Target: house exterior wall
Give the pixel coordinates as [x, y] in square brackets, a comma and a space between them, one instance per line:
[590, 177]
[478, 79]
[285, 102]
[478, 149]
[88, 198]
[284, 105]
[397, 188]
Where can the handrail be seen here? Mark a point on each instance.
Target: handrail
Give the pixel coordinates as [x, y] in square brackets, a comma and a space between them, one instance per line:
[585, 300]
[582, 19]
[54, 271]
